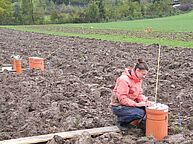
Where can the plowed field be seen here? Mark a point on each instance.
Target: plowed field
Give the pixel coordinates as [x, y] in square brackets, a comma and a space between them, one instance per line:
[74, 91]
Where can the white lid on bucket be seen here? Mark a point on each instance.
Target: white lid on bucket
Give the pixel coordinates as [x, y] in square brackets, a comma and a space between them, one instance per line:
[159, 106]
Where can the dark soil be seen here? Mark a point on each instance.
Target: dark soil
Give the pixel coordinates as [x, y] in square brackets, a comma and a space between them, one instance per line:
[73, 92]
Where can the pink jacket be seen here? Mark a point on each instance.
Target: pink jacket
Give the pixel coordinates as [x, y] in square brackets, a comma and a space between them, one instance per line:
[127, 89]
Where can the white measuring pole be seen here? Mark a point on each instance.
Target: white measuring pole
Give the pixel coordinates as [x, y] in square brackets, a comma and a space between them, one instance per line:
[157, 79]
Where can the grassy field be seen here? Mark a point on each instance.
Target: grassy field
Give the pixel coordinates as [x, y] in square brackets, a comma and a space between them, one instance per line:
[179, 23]
[175, 31]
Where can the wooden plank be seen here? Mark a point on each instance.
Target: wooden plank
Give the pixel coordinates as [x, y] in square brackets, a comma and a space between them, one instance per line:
[8, 71]
[65, 135]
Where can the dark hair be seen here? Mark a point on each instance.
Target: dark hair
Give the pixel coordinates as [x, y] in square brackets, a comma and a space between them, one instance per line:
[141, 65]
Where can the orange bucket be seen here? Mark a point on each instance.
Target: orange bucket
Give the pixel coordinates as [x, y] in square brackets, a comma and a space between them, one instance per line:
[148, 30]
[157, 121]
[17, 65]
[36, 63]
[14, 65]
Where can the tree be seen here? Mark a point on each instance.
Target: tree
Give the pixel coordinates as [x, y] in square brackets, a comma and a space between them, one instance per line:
[39, 11]
[17, 17]
[92, 12]
[107, 10]
[50, 7]
[5, 11]
[135, 10]
[104, 10]
[27, 11]
[160, 8]
[101, 9]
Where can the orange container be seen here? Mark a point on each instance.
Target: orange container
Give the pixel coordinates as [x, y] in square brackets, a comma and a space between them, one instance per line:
[14, 65]
[148, 30]
[36, 63]
[157, 122]
[17, 66]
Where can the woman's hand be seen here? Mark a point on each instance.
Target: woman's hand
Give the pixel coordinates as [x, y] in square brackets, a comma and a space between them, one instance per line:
[145, 103]
[140, 104]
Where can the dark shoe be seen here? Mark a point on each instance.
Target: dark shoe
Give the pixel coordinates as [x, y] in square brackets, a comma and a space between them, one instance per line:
[142, 125]
[122, 127]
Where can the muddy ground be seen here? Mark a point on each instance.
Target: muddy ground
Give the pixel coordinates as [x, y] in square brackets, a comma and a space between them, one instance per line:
[73, 92]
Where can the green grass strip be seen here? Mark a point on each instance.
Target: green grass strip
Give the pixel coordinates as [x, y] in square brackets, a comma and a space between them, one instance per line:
[164, 42]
